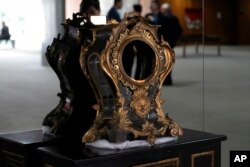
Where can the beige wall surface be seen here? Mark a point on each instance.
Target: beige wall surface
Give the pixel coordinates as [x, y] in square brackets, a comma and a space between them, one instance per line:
[145, 6]
[71, 6]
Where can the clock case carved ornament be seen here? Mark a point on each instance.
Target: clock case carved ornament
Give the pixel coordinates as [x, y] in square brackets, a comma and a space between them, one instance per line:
[127, 108]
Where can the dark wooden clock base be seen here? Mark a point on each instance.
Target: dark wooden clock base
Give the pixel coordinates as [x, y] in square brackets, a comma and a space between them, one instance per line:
[31, 149]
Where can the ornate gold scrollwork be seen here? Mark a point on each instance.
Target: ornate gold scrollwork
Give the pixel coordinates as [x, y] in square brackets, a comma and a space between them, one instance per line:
[137, 100]
[140, 102]
[97, 129]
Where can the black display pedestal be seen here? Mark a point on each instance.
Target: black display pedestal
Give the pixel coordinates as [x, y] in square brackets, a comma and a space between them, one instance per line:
[194, 149]
[19, 149]
[32, 149]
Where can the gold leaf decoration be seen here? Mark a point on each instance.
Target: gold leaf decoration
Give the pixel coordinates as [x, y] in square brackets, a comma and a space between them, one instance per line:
[140, 102]
[149, 129]
[120, 99]
[176, 129]
[89, 136]
[124, 122]
[160, 113]
[131, 114]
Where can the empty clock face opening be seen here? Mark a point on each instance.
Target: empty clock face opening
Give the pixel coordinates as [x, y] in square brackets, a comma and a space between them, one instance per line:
[138, 60]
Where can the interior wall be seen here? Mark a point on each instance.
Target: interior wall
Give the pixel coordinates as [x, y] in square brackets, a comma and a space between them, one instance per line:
[243, 22]
[220, 19]
[71, 7]
[216, 15]
[145, 6]
[179, 6]
[229, 19]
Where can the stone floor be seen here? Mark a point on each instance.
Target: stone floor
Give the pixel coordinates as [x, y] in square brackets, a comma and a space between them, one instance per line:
[210, 93]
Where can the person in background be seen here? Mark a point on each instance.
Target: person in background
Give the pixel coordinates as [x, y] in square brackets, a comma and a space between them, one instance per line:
[153, 17]
[113, 12]
[170, 30]
[90, 7]
[5, 34]
[137, 8]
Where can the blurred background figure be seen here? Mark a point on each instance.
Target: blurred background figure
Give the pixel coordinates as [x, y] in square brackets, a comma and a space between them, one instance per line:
[153, 16]
[90, 7]
[113, 12]
[137, 8]
[5, 35]
[170, 30]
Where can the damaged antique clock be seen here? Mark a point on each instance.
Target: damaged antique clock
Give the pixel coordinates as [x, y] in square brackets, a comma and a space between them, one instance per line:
[125, 65]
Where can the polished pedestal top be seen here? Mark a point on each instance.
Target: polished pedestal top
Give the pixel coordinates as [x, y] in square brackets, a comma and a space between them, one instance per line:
[32, 138]
[73, 152]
